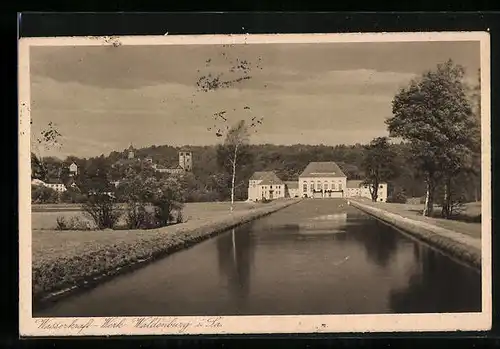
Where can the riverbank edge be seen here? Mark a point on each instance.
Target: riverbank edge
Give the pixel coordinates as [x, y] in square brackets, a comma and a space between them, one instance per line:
[190, 238]
[462, 252]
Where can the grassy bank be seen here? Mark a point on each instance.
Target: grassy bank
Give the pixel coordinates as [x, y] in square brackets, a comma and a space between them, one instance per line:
[466, 223]
[464, 247]
[64, 261]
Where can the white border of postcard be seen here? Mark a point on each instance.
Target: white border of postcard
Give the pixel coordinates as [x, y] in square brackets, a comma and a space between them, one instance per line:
[30, 326]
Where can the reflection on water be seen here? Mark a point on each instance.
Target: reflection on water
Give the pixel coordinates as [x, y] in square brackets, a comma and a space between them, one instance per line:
[235, 256]
[315, 257]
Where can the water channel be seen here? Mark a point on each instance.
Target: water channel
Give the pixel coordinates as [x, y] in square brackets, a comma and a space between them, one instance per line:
[314, 257]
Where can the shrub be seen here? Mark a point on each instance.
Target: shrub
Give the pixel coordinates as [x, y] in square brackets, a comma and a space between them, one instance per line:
[102, 209]
[75, 223]
[61, 223]
[43, 195]
[180, 217]
[72, 197]
[137, 217]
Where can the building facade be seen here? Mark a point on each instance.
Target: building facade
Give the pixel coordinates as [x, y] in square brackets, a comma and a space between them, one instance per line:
[322, 180]
[186, 160]
[265, 185]
[73, 169]
[54, 185]
[356, 188]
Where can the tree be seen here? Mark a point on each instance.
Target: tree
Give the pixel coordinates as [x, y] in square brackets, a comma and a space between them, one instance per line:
[433, 115]
[102, 209]
[38, 169]
[43, 195]
[232, 152]
[165, 194]
[378, 164]
[234, 73]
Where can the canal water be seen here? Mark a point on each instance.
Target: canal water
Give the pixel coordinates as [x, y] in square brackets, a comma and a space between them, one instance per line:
[314, 257]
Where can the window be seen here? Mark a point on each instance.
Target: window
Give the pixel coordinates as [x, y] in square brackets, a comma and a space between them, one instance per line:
[304, 187]
[334, 186]
[340, 186]
[312, 186]
[380, 186]
[325, 186]
[318, 185]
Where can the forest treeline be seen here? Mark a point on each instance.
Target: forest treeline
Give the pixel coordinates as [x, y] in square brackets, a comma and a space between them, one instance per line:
[208, 183]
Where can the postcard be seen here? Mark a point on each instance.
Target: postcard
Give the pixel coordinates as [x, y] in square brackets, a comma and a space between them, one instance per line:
[249, 184]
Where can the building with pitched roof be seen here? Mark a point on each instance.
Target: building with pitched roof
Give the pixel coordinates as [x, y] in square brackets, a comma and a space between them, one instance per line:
[265, 185]
[322, 180]
[357, 188]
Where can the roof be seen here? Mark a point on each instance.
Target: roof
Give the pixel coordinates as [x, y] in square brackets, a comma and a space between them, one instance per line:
[322, 169]
[354, 183]
[267, 178]
[292, 184]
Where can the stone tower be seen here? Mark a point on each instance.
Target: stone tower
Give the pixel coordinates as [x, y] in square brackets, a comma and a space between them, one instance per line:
[186, 160]
[131, 152]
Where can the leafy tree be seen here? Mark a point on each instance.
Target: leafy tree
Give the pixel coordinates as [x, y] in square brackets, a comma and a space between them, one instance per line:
[102, 209]
[38, 169]
[43, 195]
[165, 194]
[233, 154]
[378, 164]
[433, 115]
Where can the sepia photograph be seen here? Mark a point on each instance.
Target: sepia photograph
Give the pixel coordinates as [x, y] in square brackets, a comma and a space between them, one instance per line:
[218, 184]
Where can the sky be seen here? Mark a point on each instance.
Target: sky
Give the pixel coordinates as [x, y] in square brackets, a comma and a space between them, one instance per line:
[104, 98]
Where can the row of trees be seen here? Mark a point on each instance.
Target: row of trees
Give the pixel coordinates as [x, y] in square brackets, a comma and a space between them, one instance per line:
[438, 120]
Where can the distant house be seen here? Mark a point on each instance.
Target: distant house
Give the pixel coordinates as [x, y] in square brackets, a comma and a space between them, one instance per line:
[322, 180]
[292, 189]
[56, 185]
[265, 185]
[52, 184]
[356, 188]
[73, 169]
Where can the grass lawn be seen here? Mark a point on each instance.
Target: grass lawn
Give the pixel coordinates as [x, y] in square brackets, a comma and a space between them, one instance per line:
[465, 225]
[44, 217]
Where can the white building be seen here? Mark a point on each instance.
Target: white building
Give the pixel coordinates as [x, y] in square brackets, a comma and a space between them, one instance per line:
[356, 188]
[265, 185]
[322, 180]
[73, 169]
[55, 185]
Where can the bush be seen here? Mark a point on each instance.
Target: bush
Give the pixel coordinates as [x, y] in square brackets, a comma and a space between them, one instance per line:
[75, 223]
[137, 217]
[102, 209]
[43, 195]
[72, 197]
